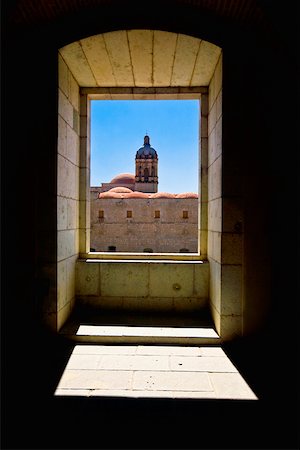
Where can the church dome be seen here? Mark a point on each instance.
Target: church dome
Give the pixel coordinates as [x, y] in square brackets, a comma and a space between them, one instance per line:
[162, 195]
[123, 178]
[187, 195]
[121, 190]
[146, 151]
[137, 194]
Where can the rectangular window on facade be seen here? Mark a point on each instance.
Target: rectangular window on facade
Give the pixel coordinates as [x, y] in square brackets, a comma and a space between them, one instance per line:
[157, 214]
[129, 214]
[101, 214]
[185, 214]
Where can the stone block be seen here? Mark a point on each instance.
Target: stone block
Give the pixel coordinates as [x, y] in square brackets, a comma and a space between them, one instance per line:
[219, 105]
[179, 350]
[215, 284]
[219, 137]
[66, 245]
[77, 63]
[84, 183]
[204, 105]
[83, 126]
[62, 213]
[66, 179]
[83, 362]
[65, 109]
[202, 364]
[204, 152]
[232, 248]
[211, 92]
[205, 64]
[164, 46]
[231, 326]
[184, 62]
[211, 351]
[201, 280]
[105, 350]
[63, 314]
[218, 76]
[171, 280]
[61, 283]
[87, 278]
[83, 104]
[95, 379]
[71, 273]
[203, 244]
[124, 280]
[141, 52]
[134, 362]
[216, 316]
[204, 126]
[215, 179]
[72, 213]
[212, 118]
[215, 215]
[83, 214]
[84, 240]
[231, 386]
[212, 149]
[62, 136]
[63, 76]
[74, 93]
[203, 216]
[203, 191]
[171, 381]
[83, 153]
[72, 146]
[214, 245]
[231, 290]
[118, 51]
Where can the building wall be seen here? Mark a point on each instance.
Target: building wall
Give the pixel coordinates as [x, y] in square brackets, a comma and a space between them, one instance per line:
[67, 191]
[168, 233]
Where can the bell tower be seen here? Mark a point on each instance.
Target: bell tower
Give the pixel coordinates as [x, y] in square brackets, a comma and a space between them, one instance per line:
[146, 168]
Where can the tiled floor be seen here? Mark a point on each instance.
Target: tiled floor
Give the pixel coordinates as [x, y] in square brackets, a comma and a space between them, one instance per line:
[152, 371]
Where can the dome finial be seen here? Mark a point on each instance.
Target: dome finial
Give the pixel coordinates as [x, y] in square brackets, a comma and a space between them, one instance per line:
[146, 139]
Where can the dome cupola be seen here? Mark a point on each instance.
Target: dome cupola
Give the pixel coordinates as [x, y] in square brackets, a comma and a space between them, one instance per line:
[146, 152]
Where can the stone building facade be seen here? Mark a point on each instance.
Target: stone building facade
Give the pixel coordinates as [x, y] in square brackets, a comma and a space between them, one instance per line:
[129, 215]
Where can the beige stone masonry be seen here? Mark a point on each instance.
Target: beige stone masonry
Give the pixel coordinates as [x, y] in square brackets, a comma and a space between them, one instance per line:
[142, 285]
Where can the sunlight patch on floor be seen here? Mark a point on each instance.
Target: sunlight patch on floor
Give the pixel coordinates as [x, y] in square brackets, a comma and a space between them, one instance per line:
[152, 371]
[105, 330]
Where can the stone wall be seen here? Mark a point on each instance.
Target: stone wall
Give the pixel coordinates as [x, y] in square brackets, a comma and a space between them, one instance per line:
[225, 223]
[67, 191]
[143, 285]
[170, 232]
[215, 191]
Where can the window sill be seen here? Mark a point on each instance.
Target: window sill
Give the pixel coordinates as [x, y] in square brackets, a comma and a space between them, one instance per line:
[147, 257]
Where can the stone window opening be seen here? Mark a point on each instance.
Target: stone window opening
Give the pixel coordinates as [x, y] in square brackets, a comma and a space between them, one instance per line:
[185, 214]
[129, 215]
[199, 95]
[209, 95]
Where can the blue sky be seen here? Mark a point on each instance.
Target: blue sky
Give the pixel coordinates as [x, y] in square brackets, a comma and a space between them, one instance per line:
[118, 128]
